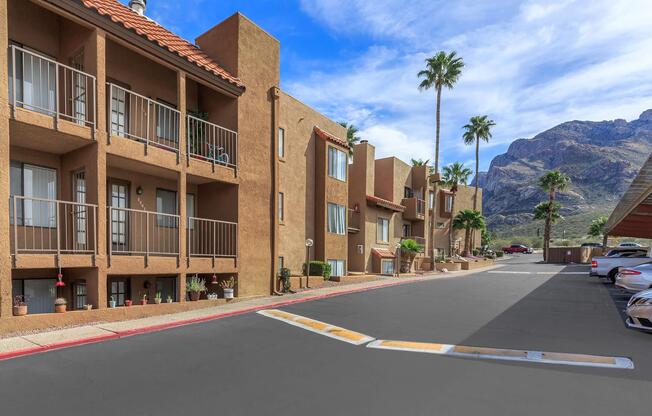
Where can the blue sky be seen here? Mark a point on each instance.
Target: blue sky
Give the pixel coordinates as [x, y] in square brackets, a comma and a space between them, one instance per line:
[529, 64]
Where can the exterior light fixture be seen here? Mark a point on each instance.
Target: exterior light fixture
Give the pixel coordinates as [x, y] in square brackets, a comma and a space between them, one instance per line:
[309, 244]
[139, 190]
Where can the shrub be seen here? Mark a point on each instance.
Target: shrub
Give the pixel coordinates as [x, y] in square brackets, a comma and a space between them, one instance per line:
[476, 251]
[195, 284]
[284, 275]
[499, 254]
[319, 268]
[410, 247]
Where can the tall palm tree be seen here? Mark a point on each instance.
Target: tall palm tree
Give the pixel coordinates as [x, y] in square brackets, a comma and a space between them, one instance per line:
[454, 175]
[419, 162]
[352, 137]
[551, 182]
[442, 70]
[596, 229]
[544, 210]
[479, 128]
[467, 220]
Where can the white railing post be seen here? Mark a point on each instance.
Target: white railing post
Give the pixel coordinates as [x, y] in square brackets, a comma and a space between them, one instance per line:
[13, 69]
[146, 238]
[15, 227]
[109, 121]
[147, 129]
[95, 231]
[58, 225]
[110, 228]
[56, 93]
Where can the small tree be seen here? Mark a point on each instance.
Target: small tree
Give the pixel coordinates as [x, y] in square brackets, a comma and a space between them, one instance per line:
[597, 229]
[467, 220]
[548, 212]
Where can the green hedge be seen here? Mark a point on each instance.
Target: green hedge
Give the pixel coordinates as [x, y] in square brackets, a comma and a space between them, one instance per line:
[499, 254]
[319, 268]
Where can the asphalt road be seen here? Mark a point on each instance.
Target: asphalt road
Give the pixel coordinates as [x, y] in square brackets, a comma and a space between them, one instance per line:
[253, 365]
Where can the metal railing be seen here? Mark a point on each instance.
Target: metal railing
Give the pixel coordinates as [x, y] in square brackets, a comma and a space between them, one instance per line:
[47, 226]
[421, 207]
[353, 220]
[146, 233]
[44, 85]
[211, 238]
[212, 143]
[139, 118]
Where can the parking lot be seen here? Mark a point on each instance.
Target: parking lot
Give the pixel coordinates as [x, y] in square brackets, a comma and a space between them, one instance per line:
[251, 364]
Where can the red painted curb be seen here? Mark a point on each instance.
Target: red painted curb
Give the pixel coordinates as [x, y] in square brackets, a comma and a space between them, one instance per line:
[160, 327]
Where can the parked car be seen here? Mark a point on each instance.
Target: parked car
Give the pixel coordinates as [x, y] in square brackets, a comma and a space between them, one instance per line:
[517, 248]
[607, 266]
[629, 244]
[591, 245]
[639, 311]
[635, 279]
[624, 252]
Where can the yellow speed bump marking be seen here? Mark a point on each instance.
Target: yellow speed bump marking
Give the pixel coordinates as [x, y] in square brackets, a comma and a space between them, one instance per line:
[506, 354]
[317, 327]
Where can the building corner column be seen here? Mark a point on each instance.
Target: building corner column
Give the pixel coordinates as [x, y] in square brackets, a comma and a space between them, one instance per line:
[6, 301]
[182, 187]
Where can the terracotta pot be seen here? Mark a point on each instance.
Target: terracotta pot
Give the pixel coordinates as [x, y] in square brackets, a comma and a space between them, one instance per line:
[20, 310]
[194, 296]
[60, 308]
[143, 302]
[128, 303]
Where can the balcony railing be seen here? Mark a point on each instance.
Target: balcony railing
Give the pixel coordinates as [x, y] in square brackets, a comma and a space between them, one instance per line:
[139, 118]
[47, 226]
[354, 221]
[415, 208]
[143, 233]
[211, 238]
[212, 143]
[41, 84]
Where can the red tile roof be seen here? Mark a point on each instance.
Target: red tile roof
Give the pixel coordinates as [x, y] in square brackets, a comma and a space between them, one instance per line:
[385, 203]
[383, 253]
[152, 31]
[329, 137]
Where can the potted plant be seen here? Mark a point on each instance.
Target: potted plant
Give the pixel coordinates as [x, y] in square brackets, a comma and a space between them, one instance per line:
[60, 305]
[227, 285]
[20, 306]
[143, 300]
[88, 307]
[409, 250]
[112, 302]
[194, 286]
[158, 298]
[128, 302]
[169, 299]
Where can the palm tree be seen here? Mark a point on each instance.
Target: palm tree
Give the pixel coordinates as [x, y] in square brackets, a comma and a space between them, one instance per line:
[352, 137]
[596, 229]
[479, 128]
[467, 220]
[442, 70]
[419, 162]
[551, 182]
[545, 210]
[454, 175]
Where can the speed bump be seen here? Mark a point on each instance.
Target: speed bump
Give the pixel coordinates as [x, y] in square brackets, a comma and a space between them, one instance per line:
[317, 327]
[540, 357]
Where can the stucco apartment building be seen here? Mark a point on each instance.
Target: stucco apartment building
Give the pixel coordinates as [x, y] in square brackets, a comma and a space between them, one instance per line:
[389, 201]
[133, 159]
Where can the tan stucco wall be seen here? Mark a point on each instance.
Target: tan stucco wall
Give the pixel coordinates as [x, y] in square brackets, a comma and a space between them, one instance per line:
[306, 187]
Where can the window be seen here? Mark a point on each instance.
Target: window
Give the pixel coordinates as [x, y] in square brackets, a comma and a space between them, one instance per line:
[80, 295]
[79, 211]
[281, 215]
[336, 219]
[337, 267]
[431, 200]
[406, 230]
[387, 266]
[167, 123]
[407, 192]
[31, 181]
[166, 203]
[337, 161]
[190, 210]
[448, 203]
[118, 291]
[281, 143]
[382, 232]
[35, 81]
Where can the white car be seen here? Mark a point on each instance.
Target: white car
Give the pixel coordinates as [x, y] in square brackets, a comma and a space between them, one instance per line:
[635, 279]
[629, 244]
[639, 311]
[608, 266]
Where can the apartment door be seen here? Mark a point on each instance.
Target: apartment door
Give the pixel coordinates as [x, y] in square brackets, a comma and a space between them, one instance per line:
[40, 295]
[119, 290]
[80, 212]
[119, 200]
[79, 93]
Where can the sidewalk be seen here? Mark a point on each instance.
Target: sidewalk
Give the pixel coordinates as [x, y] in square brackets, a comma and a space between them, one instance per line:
[61, 338]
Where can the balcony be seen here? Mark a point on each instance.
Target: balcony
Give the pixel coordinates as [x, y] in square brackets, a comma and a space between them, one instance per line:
[142, 119]
[52, 227]
[42, 85]
[415, 209]
[354, 222]
[212, 238]
[211, 143]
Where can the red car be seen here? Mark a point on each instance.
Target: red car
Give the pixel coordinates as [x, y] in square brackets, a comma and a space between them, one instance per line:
[517, 248]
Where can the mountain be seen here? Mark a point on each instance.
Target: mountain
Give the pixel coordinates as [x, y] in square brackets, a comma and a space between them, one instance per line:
[601, 158]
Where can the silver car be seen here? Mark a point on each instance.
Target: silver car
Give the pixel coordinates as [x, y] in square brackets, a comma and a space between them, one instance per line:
[639, 311]
[634, 279]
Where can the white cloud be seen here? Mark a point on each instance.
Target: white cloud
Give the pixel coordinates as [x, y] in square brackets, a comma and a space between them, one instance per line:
[529, 65]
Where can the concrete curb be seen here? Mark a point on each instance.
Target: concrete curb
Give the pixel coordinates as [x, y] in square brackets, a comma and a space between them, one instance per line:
[168, 325]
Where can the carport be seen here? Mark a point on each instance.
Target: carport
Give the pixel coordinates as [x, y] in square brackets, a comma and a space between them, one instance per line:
[632, 217]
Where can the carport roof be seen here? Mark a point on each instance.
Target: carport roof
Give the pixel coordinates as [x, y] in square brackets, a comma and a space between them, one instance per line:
[632, 217]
